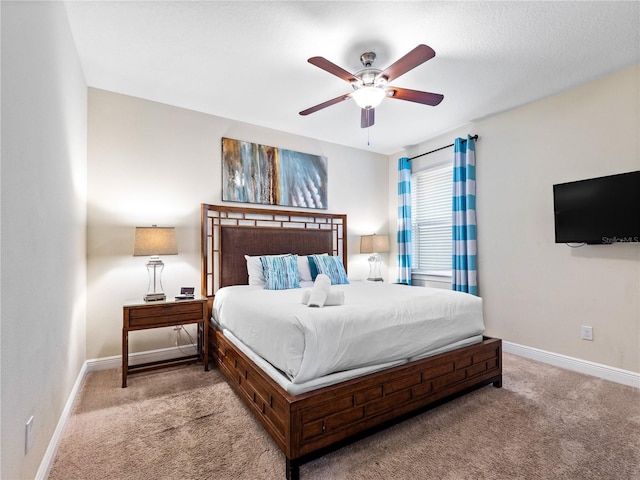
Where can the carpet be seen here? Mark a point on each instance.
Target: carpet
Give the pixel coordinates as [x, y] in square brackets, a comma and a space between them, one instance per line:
[184, 423]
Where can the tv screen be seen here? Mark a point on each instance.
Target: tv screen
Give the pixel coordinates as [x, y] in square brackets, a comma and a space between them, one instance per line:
[600, 210]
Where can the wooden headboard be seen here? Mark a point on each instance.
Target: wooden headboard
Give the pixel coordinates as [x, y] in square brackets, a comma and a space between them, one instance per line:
[230, 233]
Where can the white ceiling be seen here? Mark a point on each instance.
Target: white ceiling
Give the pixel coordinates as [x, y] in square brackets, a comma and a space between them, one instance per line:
[247, 61]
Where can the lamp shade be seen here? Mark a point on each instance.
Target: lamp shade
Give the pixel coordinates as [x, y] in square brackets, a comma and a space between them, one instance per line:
[374, 243]
[154, 240]
[369, 96]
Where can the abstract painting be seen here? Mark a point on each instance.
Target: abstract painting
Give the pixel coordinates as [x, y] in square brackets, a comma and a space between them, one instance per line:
[253, 173]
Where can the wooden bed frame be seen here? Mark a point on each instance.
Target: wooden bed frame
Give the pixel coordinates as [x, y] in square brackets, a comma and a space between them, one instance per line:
[310, 424]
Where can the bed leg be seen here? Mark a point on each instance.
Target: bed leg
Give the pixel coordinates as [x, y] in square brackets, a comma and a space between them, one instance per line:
[293, 470]
[498, 383]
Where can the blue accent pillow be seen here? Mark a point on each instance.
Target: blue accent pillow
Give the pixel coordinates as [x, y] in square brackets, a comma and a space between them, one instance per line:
[280, 273]
[331, 266]
[312, 267]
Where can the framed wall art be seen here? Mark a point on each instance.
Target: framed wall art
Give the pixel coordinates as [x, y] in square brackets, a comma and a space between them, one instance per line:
[253, 173]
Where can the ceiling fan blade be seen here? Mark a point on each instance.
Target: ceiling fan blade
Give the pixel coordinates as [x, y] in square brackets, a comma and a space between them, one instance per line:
[367, 117]
[425, 98]
[415, 57]
[332, 68]
[322, 105]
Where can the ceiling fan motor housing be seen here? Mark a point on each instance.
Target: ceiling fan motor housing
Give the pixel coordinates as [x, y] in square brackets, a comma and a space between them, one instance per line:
[367, 59]
[369, 76]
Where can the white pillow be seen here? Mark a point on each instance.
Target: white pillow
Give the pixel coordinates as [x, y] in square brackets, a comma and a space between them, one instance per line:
[303, 269]
[254, 269]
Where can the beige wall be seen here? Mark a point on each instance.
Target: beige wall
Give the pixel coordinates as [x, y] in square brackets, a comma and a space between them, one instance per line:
[43, 220]
[150, 163]
[536, 292]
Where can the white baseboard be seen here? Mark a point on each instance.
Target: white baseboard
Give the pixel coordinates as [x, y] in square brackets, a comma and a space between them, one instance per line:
[94, 365]
[50, 454]
[105, 363]
[612, 374]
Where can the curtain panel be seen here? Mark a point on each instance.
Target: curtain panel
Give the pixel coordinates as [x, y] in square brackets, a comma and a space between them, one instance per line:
[464, 226]
[404, 221]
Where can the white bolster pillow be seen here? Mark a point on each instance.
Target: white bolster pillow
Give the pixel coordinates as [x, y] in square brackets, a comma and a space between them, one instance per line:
[319, 291]
[334, 298]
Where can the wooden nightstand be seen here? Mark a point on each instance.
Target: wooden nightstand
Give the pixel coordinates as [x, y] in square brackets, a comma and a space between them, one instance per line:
[145, 315]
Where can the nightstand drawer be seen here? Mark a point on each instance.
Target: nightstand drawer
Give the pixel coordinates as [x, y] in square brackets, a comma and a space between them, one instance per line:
[174, 314]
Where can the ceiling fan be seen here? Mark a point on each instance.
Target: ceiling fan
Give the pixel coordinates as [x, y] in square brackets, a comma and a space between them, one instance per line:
[371, 85]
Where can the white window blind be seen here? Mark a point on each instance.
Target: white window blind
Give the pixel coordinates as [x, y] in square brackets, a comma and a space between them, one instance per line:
[431, 193]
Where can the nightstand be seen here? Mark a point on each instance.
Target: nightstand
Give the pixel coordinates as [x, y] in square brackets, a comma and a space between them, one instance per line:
[140, 315]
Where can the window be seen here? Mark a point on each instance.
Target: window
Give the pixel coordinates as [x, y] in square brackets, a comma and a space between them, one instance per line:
[431, 203]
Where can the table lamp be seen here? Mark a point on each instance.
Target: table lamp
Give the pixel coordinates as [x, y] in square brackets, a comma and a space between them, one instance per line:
[155, 241]
[374, 244]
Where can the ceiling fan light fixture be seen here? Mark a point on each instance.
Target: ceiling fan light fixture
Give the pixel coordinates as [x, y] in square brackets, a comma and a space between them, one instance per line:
[369, 97]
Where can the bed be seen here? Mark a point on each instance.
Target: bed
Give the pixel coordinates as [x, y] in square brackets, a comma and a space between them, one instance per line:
[308, 422]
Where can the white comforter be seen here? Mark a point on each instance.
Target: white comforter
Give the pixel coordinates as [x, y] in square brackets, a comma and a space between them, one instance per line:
[378, 323]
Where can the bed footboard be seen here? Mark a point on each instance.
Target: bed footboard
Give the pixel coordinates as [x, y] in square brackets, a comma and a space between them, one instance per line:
[309, 424]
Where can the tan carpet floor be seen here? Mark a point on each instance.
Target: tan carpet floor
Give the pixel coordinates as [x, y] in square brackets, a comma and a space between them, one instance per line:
[184, 423]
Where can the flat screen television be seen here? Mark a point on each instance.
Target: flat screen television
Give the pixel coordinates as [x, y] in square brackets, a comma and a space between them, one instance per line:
[602, 210]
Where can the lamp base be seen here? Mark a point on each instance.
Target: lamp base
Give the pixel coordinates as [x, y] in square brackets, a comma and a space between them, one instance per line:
[155, 297]
[154, 290]
[374, 268]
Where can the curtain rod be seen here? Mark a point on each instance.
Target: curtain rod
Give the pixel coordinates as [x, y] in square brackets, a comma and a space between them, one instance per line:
[475, 137]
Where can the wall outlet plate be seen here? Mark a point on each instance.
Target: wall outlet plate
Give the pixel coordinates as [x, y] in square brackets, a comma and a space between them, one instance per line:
[586, 332]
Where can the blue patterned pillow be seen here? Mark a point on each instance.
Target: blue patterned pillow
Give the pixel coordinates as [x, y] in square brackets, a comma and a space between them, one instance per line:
[331, 266]
[280, 273]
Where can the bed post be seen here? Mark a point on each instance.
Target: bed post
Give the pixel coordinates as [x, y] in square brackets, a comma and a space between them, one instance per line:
[498, 380]
[293, 469]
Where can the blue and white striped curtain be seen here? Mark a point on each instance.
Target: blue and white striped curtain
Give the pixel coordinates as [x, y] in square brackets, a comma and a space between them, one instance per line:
[464, 226]
[404, 221]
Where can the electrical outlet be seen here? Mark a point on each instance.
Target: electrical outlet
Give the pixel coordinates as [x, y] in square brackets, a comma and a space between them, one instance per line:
[28, 434]
[587, 332]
